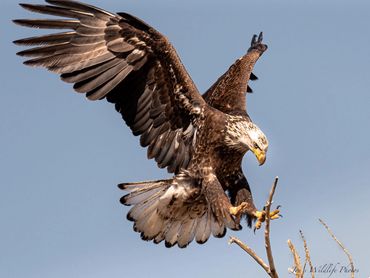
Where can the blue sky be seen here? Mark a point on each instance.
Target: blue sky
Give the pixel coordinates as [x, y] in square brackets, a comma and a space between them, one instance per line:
[62, 156]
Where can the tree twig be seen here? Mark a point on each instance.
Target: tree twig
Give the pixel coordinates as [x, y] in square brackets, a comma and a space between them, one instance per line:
[297, 260]
[267, 230]
[341, 246]
[250, 251]
[308, 257]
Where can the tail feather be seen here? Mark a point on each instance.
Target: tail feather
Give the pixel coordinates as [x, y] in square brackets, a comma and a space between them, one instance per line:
[139, 193]
[172, 211]
[160, 237]
[151, 225]
[172, 233]
[145, 221]
[187, 232]
[218, 228]
[203, 229]
[140, 210]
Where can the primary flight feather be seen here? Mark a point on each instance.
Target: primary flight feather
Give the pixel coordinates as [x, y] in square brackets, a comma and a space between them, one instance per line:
[200, 139]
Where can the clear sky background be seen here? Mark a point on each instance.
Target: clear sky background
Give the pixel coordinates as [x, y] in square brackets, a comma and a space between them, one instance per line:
[61, 156]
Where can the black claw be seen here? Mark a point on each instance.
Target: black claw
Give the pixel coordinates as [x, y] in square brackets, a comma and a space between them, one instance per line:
[279, 206]
[260, 37]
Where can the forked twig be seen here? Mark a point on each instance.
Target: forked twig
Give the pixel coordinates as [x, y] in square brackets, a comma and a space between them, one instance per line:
[297, 260]
[341, 246]
[270, 269]
[308, 257]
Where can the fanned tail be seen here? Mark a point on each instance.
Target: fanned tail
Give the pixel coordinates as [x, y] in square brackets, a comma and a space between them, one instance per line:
[173, 210]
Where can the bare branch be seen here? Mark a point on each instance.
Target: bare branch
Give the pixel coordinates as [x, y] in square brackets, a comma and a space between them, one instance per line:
[249, 250]
[308, 257]
[297, 260]
[341, 246]
[267, 230]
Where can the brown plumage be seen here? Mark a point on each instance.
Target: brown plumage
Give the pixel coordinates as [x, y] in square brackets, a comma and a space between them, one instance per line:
[200, 139]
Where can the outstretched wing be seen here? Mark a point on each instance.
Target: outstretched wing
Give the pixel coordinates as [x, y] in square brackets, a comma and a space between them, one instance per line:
[122, 59]
[228, 93]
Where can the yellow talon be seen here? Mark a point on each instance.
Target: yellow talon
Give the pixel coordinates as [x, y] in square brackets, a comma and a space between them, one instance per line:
[261, 217]
[233, 210]
[259, 214]
[275, 214]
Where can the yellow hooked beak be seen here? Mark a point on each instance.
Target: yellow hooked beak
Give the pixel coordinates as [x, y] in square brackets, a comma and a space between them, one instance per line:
[261, 155]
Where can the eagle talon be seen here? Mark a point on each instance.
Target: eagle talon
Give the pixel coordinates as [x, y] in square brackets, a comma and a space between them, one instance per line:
[275, 214]
[261, 217]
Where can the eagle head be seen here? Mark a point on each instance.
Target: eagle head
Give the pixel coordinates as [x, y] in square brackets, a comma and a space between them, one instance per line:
[244, 135]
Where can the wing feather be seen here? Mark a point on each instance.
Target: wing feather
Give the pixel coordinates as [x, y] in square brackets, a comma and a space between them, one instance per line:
[52, 39]
[170, 154]
[101, 92]
[86, 86]
[91, 71]
[75, 69]
[48, 23]
[121, 58]
[119, 45]
[165, 147]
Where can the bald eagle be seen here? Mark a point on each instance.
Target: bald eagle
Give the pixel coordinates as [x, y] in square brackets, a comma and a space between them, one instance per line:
[201, 139]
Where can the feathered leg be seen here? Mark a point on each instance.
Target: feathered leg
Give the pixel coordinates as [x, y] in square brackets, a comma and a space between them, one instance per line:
[220, 204]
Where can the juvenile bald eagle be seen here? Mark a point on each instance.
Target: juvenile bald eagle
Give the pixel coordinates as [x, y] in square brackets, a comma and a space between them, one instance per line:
[200, 139]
